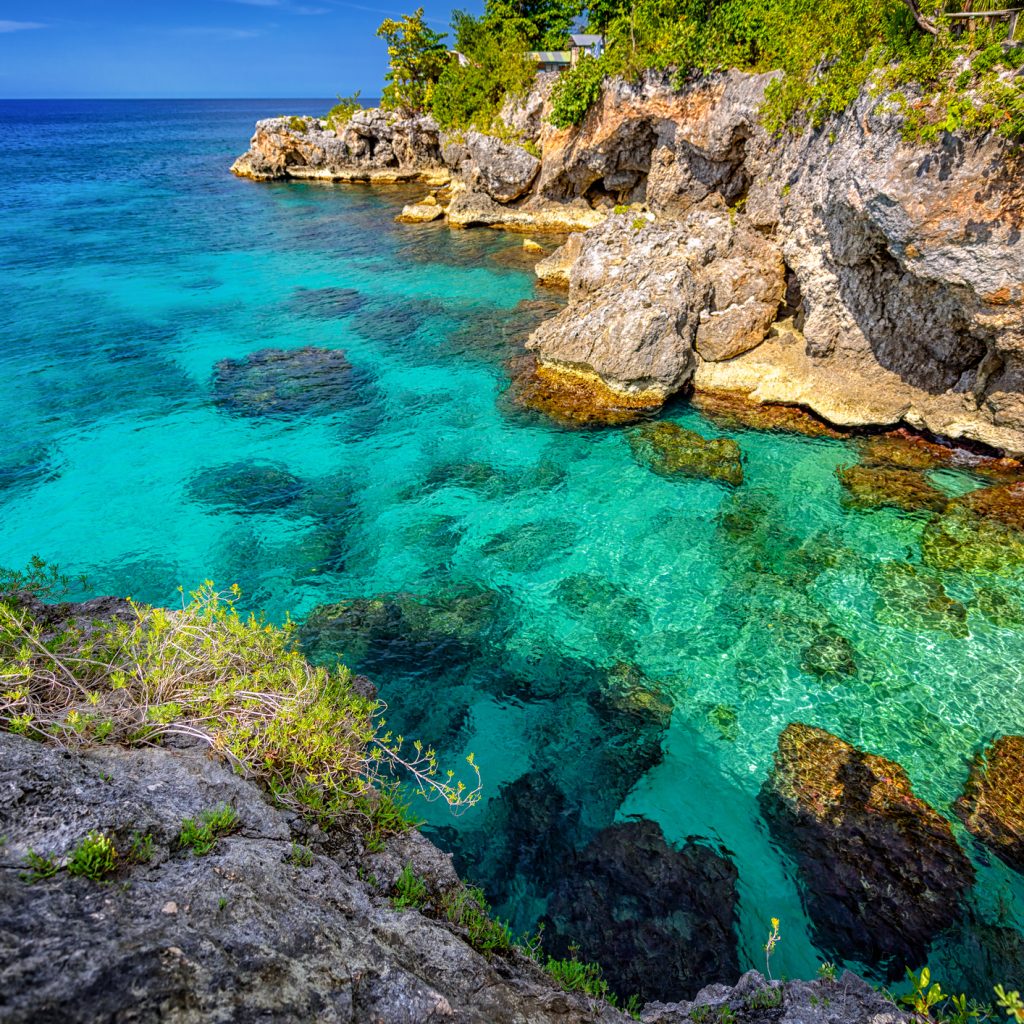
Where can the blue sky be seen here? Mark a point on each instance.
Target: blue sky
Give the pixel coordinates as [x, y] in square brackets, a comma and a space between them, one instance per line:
[197, 48]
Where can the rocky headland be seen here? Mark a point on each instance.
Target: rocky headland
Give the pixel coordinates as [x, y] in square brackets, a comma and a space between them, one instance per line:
[872, 280]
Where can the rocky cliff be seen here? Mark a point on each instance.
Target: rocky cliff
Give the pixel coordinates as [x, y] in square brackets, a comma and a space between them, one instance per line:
[870, 279]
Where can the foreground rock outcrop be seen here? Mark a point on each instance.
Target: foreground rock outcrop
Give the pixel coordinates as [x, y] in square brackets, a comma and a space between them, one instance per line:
[881, 870]
[259, 929]
[992, 805]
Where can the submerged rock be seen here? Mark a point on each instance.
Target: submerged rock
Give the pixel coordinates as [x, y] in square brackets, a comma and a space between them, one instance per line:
[285, 382]
[670, 450]
[326, 303]
[1001, 608]
[914, 600]
[660, 920]
[979, 532]
[246, 487]
[528, 546]
[992, 805]
[887, 487]
[829, 656]
[900, 449]
[881, 871]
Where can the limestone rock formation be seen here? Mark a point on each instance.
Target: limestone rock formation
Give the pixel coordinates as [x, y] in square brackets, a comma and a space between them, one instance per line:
[247, 932]
[881, 871]
[501, 170]
[373, 146]
[992, 805]
[643, 296]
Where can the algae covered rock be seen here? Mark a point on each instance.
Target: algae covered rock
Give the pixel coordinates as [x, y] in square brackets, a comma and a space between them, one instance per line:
[992, 805]
[673, 451]
[1000, 607]
[285, 382]
[979, 532]
[246, 487]
[326, 303]
[887, 487]
[881, 871]
[735, 410]
[829, 656]
[572, 398]
[912, 599]
[660, 920]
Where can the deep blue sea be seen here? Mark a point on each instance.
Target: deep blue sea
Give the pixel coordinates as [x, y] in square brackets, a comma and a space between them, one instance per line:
[138, 273]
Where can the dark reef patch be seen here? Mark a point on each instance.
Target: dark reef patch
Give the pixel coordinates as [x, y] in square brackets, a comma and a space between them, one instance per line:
[660, 920]
[245, 487]
[287, 382]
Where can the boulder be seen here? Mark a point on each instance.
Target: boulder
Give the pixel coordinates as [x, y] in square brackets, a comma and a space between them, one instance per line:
[992, 805]
[880, 870]
[502, 170]
[660, 920]
[886, 487]
[420, 213]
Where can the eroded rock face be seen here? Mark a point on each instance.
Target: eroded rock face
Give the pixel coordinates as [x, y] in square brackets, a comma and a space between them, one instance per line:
[644, 297]
[501, 170]
[373, 146]
[992, 805]
[661, 919]
[240, 934]
[882, 873]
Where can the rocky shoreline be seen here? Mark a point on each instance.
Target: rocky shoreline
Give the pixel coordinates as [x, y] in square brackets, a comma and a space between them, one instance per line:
[874, 281]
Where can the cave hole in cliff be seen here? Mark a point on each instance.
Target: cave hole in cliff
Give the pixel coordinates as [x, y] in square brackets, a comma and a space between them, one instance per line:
[792, 305]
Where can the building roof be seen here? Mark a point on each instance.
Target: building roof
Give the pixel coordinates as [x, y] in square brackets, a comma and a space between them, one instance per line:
[586, 40]
[550, 56]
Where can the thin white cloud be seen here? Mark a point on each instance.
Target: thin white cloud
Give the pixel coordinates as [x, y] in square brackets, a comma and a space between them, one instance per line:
[283, 5]
[19, 26]
[220, 33]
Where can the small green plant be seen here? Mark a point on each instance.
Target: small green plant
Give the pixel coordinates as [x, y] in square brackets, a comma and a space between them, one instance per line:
[827, 971]
[297, 124]
[533, 149]
[923, 995]
[94, 858]
[765, 998]
[410, 891]
[140, 848]
[639, 223]
[222, 902]
[38, 579]
[1011, 1002]
[341, 113]
[774, 938]
[40, 867]
[301, 856]
[573, 975]
[466, 907]
[620, 208]
[201, 835]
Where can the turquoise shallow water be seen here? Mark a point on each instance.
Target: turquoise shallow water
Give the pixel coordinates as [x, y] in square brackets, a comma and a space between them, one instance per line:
[133, 264]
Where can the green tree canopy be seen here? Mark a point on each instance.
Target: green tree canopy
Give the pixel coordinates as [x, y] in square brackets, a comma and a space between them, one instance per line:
[417, 57]
[544, 24]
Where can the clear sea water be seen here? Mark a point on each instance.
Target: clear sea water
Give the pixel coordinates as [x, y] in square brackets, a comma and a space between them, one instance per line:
[132, 263]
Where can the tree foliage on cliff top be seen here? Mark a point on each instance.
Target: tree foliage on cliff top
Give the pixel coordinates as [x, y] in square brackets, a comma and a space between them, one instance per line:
[236, 683]
[827, 50]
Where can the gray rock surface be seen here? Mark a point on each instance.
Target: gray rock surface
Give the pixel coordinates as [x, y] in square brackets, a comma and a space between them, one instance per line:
[848, 1000]
[501, 170]
[242, 934]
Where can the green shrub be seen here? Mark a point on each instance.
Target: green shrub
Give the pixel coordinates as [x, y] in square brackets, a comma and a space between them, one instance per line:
[301, 856]
[341, 113]
[576, 91]
[201, 835]
[95, 857]
[235, 682]
[572, 975]
[410, 891]
[298, 124]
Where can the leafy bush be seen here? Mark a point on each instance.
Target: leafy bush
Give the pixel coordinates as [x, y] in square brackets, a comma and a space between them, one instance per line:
[95, 857]
[201, 835]
[416, 58]
[576, 90]
[298, 124]
[470, 95]
[234, 682]
[466, 907]
[341, 113]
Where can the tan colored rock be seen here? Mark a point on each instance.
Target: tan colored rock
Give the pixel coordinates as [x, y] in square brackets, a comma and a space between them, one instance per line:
[531, 246]
[992, 805]
[473, 209]
[420, 213]
[554, 270]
